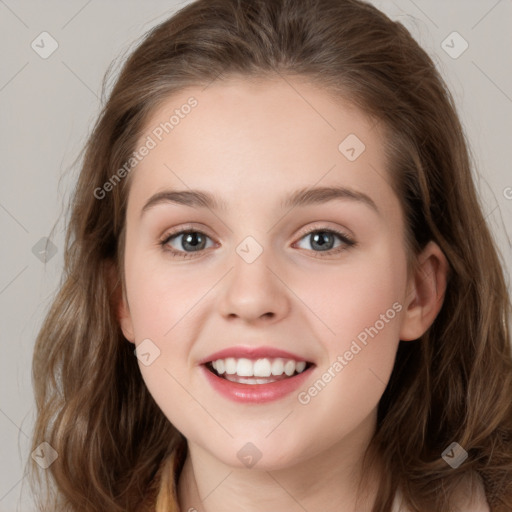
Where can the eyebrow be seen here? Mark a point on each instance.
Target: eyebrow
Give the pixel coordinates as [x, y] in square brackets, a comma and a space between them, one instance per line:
[319, 195]
[302, 197]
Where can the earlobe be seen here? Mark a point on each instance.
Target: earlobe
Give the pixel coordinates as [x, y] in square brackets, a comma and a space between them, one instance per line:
[120, 304]
[427, 287]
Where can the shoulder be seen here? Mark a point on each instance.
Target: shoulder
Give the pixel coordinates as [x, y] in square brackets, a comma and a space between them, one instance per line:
[469, 496]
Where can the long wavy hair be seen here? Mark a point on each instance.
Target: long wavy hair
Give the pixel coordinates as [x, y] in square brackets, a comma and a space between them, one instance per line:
[453, 384]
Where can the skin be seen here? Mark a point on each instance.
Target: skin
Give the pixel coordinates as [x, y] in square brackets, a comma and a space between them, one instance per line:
[251, 143]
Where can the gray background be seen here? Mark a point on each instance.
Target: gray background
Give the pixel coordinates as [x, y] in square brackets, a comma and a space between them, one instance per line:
[47, 110]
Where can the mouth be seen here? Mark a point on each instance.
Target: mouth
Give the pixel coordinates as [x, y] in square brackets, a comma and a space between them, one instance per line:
[259, 371]
[256, 380]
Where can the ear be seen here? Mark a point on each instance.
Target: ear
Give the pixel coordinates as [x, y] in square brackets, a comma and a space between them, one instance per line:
[426, 290]
[119, 303]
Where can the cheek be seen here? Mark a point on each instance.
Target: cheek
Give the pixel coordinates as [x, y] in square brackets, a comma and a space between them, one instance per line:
[163, 304]
[360, 308]
[352, 298]
[161, 295]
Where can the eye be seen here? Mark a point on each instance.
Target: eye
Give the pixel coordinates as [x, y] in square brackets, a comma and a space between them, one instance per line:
[325, 240]
[184, 243]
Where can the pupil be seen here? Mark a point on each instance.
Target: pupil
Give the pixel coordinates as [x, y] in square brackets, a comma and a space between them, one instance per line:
[323, 240]
[195, 240]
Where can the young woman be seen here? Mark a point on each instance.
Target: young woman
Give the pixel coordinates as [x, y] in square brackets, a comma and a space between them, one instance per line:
[280, 291]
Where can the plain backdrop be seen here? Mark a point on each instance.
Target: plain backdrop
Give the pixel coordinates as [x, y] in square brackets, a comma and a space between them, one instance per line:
[47, 109]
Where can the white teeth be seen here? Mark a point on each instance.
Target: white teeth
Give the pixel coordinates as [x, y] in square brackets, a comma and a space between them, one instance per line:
[220, 367]
[277, 367]
[289, 368]
[264, 367]
[300, 366]
[230, 365]
[248, 380]
[244, 368]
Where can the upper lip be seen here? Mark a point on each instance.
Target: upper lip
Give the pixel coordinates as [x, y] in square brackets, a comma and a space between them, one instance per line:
[251, 353]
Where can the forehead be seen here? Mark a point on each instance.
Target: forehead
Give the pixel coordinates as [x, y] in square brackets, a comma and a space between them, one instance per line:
[239, 136]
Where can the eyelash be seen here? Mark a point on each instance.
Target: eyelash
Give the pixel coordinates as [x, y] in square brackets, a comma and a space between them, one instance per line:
[345, 239]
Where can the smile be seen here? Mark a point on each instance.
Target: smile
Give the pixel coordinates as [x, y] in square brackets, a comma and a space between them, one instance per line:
[259, 371]
[256, 380]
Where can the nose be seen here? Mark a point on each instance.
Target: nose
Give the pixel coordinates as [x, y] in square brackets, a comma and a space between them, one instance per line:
[254, 292]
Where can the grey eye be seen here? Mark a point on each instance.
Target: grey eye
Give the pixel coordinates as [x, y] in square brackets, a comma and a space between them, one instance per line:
[191, 241]
[321, 240]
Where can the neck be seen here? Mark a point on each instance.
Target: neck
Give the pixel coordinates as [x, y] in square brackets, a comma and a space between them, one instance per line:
[328, 481]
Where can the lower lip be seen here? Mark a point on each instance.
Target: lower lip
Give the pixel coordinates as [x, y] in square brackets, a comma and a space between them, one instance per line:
[255, 393]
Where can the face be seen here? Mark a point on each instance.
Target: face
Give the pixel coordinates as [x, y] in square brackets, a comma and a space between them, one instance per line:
[269, 270]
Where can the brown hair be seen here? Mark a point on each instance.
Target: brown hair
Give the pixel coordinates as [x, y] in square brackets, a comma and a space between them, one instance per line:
[454, 384]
